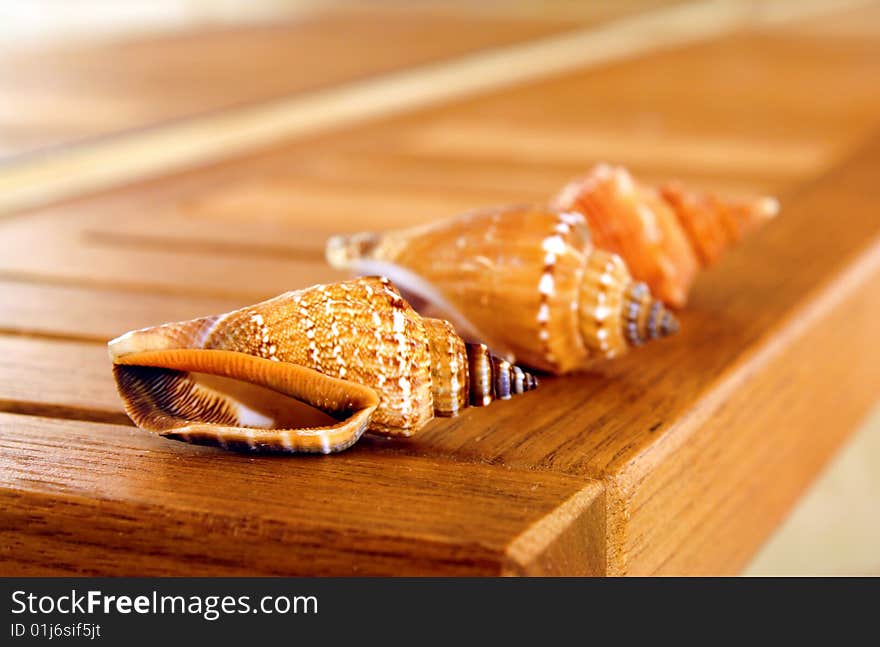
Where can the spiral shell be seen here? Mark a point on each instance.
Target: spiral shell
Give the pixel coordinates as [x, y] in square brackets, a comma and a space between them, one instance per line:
[354, 351]
[526, 278]
[664, 234]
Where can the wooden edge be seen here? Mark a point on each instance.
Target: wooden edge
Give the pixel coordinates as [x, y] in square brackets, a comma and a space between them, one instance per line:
[827, 333]
[66, 535]
[103, 164]
[63, 535]
[565, 542]
[89, 499]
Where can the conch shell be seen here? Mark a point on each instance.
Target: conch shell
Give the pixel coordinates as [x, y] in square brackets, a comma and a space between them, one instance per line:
[525, 279]
[664, 234]
[355, 351]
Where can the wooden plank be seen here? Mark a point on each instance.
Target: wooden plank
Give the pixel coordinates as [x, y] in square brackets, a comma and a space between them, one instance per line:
[59, 379]
[582, 12]
[854, 22]
[771, 371]
[686, 430]
[79, 255]
[635, 106]
[761, 444]
[755, 121]
[182, 145]
[61, 94]
[94, 314]
[400, 172]
[84, 498]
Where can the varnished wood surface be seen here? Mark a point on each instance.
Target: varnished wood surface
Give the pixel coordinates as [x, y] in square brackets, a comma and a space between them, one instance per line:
[182, 143]
[159, 512]
[679, 458]
[58, 95]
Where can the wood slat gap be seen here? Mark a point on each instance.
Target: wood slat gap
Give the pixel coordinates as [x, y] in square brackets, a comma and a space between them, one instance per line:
[177, 245]
[131, 287]
[64, 412]
[32, 333]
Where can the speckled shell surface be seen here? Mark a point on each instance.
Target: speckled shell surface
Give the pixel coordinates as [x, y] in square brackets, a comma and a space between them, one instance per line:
[525, 276]
[664, 234]
[360, 334]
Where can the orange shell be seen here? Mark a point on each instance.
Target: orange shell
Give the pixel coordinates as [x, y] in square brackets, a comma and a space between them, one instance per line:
[526, 278]
[713, 224]
[665, 235]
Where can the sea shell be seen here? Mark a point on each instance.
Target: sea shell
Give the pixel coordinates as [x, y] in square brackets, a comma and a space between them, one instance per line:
[665, 234]
[525, 279]
[355, 351]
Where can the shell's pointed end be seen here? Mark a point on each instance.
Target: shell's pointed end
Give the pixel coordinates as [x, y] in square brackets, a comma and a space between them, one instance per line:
[745, 216]
[520, 382]
[766, 208]
[659, 322]
[511, 380]
[668, 324]
[492, 378]
[343, 251]
[646, 318]
[136, 341]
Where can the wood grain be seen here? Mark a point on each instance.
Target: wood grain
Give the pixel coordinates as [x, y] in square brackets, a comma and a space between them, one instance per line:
[61, 94]
[700, 413]
[746, 139]
[679, 458]
[89, 257]
[189, 143]
[90, 313]
[58, 378]
[685, 433]
[102, 499]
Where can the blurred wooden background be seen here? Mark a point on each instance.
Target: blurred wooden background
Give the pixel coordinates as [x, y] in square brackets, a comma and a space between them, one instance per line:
[182, 158]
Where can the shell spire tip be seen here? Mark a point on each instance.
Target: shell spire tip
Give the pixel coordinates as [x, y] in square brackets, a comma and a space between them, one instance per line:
[647, 318]
[343, 251]
[493, 378]
[767, 207]
[668, 324]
